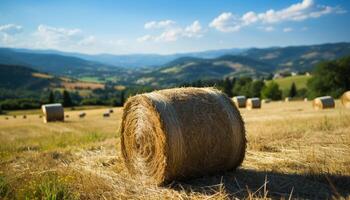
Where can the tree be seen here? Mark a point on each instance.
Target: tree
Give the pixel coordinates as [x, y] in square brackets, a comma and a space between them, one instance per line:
[293, 90]
[122, 97]
[272, 91]
[257, 87]
[51, 97]
[330, 78]
[228, 87]
[67, 101]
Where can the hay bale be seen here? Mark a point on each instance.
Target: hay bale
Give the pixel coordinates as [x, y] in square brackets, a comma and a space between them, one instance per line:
[24, 117]
[320, 103]
[110, 111]
[287, 99]
[345, 99]
[253, 103]
[180, 133]
[14, 116]
[40, 116]
[306, 100]
[6, 118]
[266, 100]
[240, 101]
[67, 116]
[53, 112]
[82, 115]
[106, 114]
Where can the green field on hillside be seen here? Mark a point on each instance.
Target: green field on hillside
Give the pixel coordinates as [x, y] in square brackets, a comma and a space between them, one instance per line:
[285, 83]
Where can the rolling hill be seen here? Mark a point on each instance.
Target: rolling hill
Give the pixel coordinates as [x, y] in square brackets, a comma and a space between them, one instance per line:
[53, 63]
[298, 58]
[189, 69]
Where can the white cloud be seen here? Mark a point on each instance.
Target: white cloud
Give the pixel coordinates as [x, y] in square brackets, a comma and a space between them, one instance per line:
[171, 33]
[145, 38]
[268, 28]
[287, 29]
[158, 24]
[227, 22]
[10, 29]
[8, 32]
[51, 37]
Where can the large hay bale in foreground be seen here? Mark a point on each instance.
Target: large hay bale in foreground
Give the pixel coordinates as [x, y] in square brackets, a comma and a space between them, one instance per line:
[53, 112]
[345, 99]
[320, 103]
[180, 133]
[253, 103]
[240, 101]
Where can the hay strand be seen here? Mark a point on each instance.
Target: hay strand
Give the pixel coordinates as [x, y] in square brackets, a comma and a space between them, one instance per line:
[181, 133]
[345, 99]
[253, 103]
[324, 102]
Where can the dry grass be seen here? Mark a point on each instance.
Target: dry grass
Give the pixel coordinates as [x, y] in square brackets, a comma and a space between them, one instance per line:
[293, 151]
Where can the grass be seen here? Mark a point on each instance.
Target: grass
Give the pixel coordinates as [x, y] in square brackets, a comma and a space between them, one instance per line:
[293, 151]
[299, 80]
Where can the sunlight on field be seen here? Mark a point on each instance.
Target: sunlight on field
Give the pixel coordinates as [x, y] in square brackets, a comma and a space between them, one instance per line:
[285, 83]
[292, 150]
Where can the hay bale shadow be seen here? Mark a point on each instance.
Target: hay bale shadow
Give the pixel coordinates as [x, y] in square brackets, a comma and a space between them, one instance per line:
[244, 182]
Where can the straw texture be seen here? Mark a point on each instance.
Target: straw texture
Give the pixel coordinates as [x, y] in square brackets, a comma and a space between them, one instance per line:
[181, 133]
[345, 99]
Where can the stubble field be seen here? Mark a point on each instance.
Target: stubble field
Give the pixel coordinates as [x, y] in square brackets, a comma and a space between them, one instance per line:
[293, 151]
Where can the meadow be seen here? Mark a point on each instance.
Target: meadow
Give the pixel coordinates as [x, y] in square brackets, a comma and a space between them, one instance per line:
[293, 152]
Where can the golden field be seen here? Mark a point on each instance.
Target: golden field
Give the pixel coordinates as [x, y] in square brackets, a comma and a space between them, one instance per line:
[293, 152]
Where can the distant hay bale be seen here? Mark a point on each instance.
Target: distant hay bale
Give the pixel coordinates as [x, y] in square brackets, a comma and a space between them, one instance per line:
[345, 99]
[266, 100]
[82, 115]
[110, 111]
[240, 101]
[306, 100]
[14, 116]
[320, 103]
[67, 116]
[181, 133]
[24, 117]
[106, 114]
[287, 99]
[40, 116]
[6, 118]
[253, 103]
[53, 112]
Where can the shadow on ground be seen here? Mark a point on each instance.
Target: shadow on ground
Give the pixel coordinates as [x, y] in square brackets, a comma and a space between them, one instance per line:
[244, 182]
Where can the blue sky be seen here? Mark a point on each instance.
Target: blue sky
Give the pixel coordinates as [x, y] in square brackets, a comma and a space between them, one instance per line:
[170, 26]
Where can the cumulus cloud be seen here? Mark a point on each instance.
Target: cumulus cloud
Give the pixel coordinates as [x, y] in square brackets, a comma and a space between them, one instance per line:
[158, 24]
[307, 9]
[173, 33]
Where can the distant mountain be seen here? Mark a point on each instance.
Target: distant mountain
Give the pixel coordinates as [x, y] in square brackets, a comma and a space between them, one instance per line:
[53, 63]
[136, 60]
[189, 69]
[298, 58]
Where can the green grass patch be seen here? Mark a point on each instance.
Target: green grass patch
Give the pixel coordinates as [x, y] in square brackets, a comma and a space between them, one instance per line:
[285, 83]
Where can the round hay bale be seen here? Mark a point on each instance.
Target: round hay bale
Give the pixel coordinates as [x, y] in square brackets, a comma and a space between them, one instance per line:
[110, 111]
[14, 116]
[240, 101]
[253, 103]
[345, 99]
[320, 103]
[53, 112]
[287, 99]
[67, 116]
[306, 100]
[180, 133]
[82, 115]
[106, 114]
[24, 117]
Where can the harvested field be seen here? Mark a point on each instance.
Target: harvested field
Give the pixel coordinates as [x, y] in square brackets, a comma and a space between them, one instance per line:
[292, 150]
